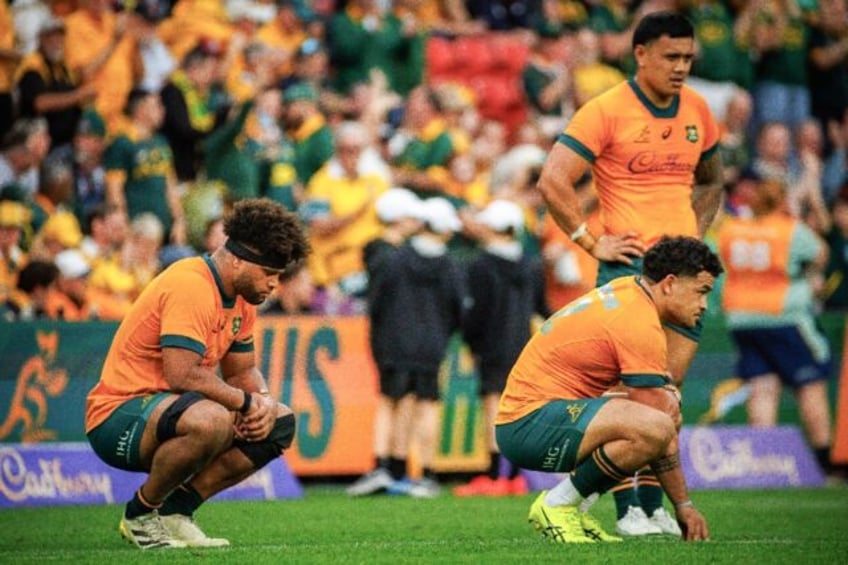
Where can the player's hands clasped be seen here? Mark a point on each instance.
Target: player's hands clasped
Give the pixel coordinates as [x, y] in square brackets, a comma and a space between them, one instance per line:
[619, 248]
[692, 524]
[257, 423]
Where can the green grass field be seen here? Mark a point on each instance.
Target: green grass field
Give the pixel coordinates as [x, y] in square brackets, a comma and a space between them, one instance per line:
[769, 526]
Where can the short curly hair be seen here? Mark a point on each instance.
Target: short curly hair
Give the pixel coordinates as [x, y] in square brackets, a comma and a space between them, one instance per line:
[682, 256]
[269, 230]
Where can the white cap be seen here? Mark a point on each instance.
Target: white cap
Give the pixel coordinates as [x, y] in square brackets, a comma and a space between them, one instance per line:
[501, 215]
[441, 216]
[398, 203]
[72, 264]
[250, 10]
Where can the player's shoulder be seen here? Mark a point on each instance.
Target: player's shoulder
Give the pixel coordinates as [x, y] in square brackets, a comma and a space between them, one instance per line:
[612, 99]
[628, 300]
[187, 274]
[690, 96]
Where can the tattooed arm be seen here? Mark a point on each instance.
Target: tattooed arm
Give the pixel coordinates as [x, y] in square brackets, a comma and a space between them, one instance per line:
[708, 190]
[670, 474]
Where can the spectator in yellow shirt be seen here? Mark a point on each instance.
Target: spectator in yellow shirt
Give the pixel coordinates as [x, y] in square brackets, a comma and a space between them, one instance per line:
[339, 211]
[100, 51]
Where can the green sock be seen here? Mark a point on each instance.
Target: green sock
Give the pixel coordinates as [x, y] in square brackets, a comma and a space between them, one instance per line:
[649, 492]
[596, 474]
[183, 500]
[625, 496]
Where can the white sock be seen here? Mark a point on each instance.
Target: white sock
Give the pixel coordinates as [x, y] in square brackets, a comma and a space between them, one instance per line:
[589, 501]
[564, 494]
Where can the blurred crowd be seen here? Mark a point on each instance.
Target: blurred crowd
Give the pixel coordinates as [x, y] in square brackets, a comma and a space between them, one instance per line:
[129, 127]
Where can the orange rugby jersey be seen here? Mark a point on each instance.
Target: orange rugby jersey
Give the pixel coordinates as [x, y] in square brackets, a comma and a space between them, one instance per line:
[643, 158]
[612, 333]
[756, 257]
[183, 307]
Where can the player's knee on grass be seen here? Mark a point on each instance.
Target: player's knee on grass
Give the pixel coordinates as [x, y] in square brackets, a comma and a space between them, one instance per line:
[263, 452]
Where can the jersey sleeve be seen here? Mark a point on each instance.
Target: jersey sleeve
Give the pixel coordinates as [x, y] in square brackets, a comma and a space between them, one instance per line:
[711, 131]
[585, 133]
[188, 312]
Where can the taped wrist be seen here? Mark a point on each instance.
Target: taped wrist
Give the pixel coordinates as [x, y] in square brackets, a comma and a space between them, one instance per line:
[263, 452]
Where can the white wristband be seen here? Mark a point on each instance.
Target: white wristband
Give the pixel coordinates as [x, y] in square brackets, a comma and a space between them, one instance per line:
[581, 230]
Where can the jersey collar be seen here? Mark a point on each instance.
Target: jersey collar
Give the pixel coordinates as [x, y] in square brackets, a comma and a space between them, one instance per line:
[655, 110]
[225, 300]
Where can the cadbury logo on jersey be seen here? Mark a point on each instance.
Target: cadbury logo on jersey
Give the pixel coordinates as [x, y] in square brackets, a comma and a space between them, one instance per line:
[651, 162]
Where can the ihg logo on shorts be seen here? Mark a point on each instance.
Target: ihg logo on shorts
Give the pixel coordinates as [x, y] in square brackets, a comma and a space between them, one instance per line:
[553, 456]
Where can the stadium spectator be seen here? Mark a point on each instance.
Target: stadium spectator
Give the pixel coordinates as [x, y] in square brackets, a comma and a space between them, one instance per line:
[504, 15]
[274, 151]
[362, 38]
[506, 291]
[651, 144]
[124, 274]
[417, 284]
[85, 156]
[547, 80]
[9, 59]
[735, 145]
[140, 168]
[613, 336]
[836, 283]
[284, 35]
[590, 75]
[61, 231]
[69, 299]
[199, 433]
[157, 61]
[36, 283]
[22, 151]
[400, 212]
[774, 268]
[194, 106]
[194, 23]
[307, 127]
[14, 218]
[101, 51]
[55, 194]
[773, 160]
[232, 156]
[723, 66]
[828, 71]
[423, 146]
[106, 230]
[614, 21]
[339, 211]
[778, 37]
[29, 16]
[48, 88]
[214, 235]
